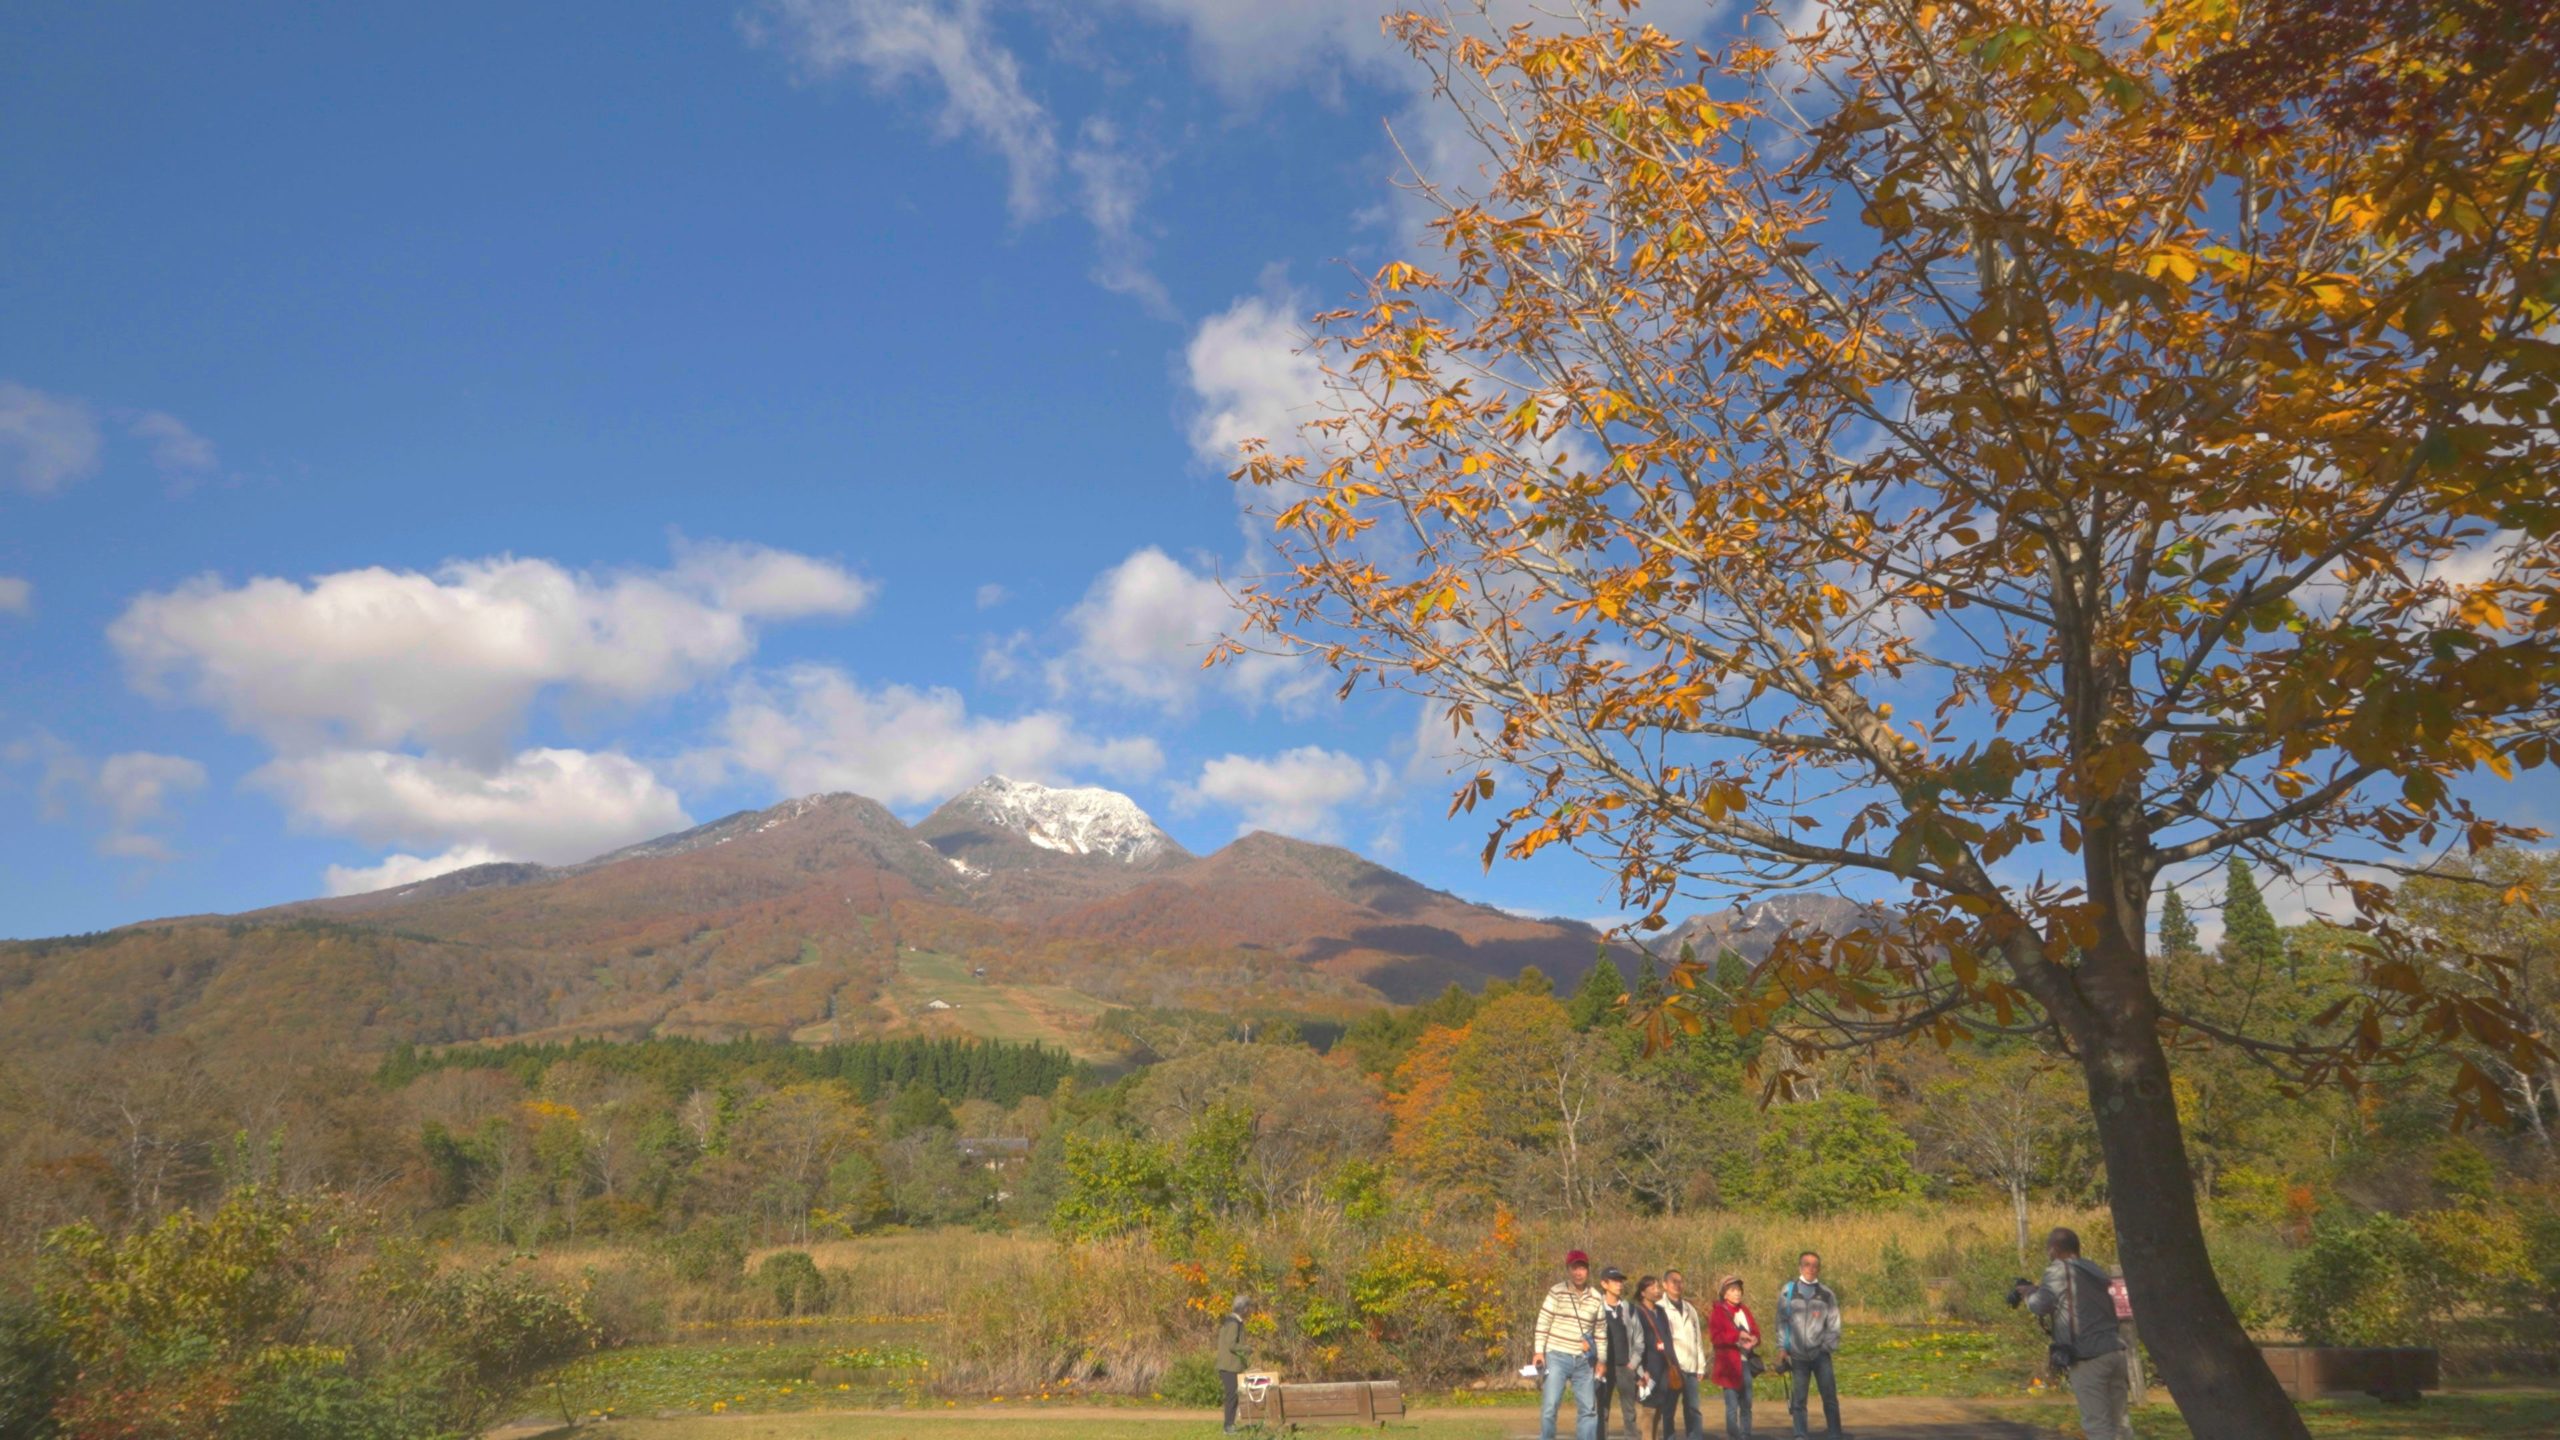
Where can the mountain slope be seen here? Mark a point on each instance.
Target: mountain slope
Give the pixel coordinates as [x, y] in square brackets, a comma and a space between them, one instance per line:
[808, 917]
[1331, 910]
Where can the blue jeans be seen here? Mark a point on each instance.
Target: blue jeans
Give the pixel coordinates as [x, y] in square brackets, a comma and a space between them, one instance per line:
[1737, 1412]
[1811, 1370]
[1693, 1419]
[1575, 1371]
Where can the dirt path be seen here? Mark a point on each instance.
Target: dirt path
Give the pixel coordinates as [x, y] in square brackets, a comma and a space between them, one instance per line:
[1895, 1418]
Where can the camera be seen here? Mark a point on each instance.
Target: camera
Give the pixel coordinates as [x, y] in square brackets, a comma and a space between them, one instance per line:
[2018, 1289]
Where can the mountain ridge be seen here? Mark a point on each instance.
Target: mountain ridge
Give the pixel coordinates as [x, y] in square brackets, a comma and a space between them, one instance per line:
[807, 916]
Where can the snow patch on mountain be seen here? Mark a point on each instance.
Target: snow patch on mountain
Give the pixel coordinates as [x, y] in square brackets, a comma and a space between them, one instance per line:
[1080, 820]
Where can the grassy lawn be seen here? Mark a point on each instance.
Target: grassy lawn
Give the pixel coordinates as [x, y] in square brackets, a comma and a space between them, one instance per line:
[1029, 1426]
[2517, 1415]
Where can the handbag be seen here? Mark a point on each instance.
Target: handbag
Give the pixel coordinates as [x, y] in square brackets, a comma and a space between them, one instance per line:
[1753, 1367]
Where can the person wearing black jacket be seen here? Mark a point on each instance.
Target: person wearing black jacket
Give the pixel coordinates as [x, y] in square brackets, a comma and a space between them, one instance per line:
[1615, 1378]
[1656, 1360]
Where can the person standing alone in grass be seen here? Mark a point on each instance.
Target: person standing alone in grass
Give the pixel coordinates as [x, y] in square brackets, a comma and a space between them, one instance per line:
[1809, 1333]
[1231, 1354]
[1736, 1334]
[1571, 1348]
[2080, 1314]
[1689, 1346]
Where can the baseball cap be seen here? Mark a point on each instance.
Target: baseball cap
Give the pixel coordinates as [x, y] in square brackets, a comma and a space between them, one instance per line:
[1613, 1273]
[1576, 1257]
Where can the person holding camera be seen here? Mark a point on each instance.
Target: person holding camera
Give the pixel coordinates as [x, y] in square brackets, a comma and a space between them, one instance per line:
[2079, 1315]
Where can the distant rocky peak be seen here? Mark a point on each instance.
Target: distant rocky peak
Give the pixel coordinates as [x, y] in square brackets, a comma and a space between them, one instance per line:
[1074, 820]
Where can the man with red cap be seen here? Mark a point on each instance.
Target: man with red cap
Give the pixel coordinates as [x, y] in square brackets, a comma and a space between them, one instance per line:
[1570, 1349]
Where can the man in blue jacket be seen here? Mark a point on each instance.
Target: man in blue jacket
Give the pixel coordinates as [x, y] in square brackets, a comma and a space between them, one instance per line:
[1809, 1334]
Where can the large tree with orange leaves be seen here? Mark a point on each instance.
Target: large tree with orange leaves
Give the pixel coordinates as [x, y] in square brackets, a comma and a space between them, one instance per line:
[2003, 451]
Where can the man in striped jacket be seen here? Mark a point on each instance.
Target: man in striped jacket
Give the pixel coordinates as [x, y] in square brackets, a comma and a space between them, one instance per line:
[1571, 1349]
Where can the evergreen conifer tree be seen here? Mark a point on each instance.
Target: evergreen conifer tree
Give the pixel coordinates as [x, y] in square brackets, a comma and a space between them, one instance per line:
[2177, 928]
[2249, 934]
[1597, 999]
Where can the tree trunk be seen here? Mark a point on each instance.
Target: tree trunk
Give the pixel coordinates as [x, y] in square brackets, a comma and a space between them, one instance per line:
[2018, 1209]
[2221, 1382]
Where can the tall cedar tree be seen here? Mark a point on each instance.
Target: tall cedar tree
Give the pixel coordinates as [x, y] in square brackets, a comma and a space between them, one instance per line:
[1951, 447]
[2177, 927]
[2249, 933]
[1597, 998]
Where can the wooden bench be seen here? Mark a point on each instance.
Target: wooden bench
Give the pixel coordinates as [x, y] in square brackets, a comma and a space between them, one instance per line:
[2397, 1374]
[1347, 1402]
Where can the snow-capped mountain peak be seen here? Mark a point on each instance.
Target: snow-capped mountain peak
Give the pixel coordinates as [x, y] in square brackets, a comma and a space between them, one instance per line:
[1079, 820]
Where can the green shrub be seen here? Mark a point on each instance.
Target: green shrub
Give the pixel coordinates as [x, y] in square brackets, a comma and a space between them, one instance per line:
[2255, 1270]
[792, 1279]
[503, 1326]
[1731, 1251]
[2250, 1197]
[709, 1252]
[1897, 1288]
[321, 1395]
[2354, 1284]
[628, 1304]
[1193, 1380]
[1830, 1156]
[1980, 1272]
[35, 1367]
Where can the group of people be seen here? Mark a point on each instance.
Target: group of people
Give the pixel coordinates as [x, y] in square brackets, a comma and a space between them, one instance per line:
[1654, 1353]
[1649, 1349]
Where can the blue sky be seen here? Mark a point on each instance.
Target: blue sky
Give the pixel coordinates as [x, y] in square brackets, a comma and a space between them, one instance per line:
[440, 433]
[436, 435]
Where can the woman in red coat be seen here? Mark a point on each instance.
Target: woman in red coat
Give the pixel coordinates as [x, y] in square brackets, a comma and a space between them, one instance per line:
[1736, 1335]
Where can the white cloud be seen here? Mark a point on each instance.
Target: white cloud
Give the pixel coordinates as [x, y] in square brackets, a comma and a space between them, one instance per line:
[1146, 625]
[177, 452]
[553, 806]
[1111, 184]
[1004, 658]
[991, 595]
[1249, 368]
[46, 441]
[17, 595]
[128, 795]
[947, 43]
[814, 728]
[1249, 50]
[380, 657]
[399, 870]
[1296, 792]
[951, 47]
[768, 584]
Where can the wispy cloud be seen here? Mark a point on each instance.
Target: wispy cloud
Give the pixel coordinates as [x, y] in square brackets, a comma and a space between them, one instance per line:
[949, 49]
[128, 796]
[946, 45]
[46, 441]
